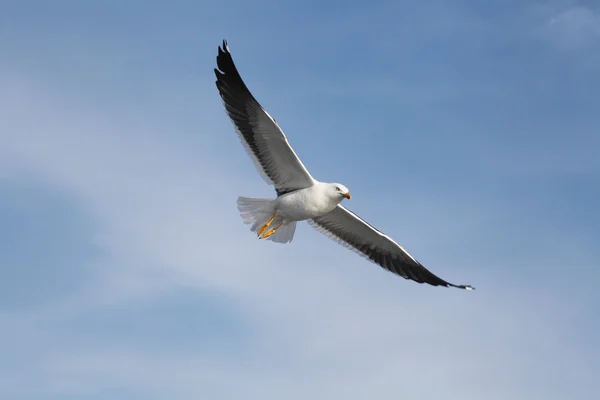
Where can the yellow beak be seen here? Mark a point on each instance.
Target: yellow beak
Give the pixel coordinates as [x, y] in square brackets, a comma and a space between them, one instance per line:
[347, 195]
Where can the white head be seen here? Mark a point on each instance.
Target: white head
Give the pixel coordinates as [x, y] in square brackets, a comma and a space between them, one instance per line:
[339, 191]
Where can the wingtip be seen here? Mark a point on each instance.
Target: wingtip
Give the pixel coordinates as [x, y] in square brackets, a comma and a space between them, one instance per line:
[222, 57]
[464, 287]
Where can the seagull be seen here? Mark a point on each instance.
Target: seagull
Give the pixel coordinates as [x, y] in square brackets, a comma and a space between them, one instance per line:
[300, 197]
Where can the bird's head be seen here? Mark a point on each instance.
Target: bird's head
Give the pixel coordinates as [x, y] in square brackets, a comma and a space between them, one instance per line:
[340, 191]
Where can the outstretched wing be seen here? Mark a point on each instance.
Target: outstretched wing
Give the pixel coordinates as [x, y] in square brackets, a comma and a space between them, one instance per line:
[262, 138]
[348, 229]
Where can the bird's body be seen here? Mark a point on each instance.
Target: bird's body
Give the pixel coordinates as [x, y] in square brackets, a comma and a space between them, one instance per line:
[284, 211]
[313, 201]
[300, 197]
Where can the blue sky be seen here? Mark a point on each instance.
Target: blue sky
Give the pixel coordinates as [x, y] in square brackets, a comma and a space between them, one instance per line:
[466, 130]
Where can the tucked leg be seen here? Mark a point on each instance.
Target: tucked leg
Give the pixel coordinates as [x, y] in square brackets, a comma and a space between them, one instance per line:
[271, 232]
[265, 226]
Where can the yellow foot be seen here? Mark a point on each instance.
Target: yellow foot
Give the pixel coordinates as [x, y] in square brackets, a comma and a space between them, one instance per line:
[271, 232]
[265, 226]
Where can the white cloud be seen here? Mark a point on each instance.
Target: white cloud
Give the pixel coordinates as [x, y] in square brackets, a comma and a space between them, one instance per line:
[576, 26]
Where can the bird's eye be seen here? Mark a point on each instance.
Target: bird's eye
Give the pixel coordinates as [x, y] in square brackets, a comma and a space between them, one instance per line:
[337, 188]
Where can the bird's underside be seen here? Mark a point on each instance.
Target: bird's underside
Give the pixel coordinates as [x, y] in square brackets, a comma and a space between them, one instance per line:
[278, 164]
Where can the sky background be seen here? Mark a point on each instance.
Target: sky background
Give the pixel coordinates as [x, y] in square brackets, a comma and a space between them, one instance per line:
[466, 130]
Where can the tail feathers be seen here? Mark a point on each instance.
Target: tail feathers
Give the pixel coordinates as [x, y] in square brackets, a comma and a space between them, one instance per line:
[285, 234]
[257, 212]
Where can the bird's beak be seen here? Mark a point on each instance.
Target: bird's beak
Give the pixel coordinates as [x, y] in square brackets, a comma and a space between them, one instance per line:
[347, 195]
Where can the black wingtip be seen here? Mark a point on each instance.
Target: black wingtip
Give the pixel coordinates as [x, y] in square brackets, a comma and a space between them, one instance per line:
[465, 287]
[226, 71]
[224, 59]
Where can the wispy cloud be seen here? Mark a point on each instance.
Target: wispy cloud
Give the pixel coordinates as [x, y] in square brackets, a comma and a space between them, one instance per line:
[576, 25]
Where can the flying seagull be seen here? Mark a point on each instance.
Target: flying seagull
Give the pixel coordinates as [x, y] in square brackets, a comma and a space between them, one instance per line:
[300, 197]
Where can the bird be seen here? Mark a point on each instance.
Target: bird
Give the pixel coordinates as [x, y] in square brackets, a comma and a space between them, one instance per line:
[300, 197]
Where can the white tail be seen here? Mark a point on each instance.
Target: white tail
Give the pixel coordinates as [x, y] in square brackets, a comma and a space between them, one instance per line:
[258, 212]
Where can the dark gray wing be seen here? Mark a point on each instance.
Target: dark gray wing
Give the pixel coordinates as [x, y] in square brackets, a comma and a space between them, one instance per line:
[348, 229]
[262, 138]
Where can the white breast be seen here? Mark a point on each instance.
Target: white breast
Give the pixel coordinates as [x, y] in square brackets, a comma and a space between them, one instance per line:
[305, 204]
